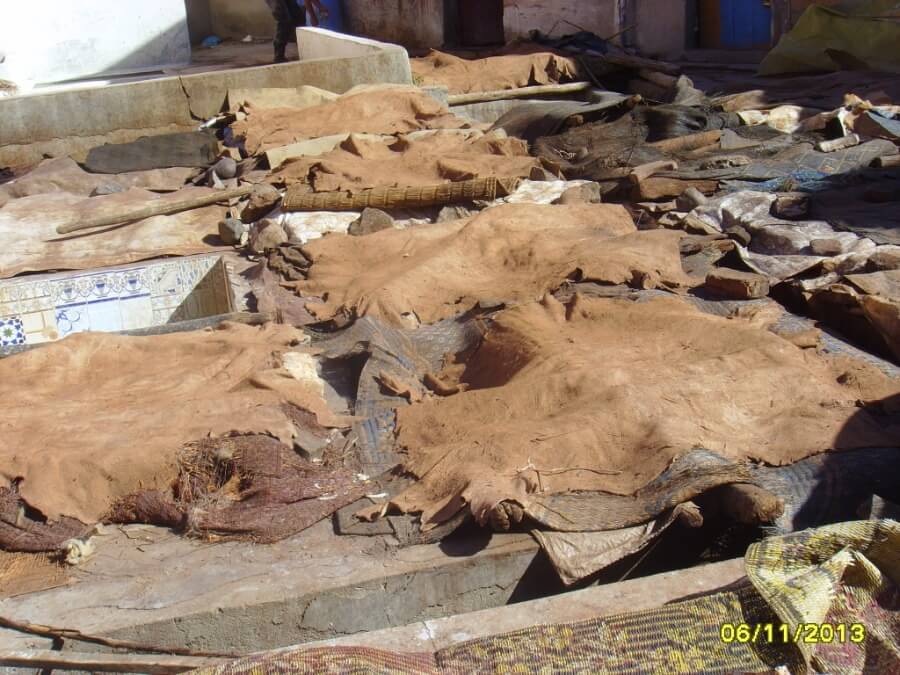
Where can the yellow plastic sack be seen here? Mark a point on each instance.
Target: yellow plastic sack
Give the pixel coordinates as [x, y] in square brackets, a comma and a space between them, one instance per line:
[857, 35]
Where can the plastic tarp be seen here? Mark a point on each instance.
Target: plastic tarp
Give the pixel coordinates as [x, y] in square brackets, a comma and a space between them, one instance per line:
[859, 35]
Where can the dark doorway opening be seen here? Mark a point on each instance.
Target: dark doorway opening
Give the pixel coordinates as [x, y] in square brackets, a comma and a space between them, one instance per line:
[480, 23]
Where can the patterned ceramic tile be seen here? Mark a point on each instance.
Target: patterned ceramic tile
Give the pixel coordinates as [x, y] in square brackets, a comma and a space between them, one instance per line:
[11, 332]
[124, 298]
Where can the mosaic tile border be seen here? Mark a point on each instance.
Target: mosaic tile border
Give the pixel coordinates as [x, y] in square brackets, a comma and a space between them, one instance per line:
[45, 308]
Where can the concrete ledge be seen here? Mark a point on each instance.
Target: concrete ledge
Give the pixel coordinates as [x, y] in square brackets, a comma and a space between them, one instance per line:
[432, 635]
[58, 123]
[627, 596]
[319, 43]
[150, 585]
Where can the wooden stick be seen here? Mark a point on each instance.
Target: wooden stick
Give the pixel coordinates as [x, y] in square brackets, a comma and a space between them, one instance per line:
[73, 634]
[163, 209]
[838, 143]
[521, 92]
[886, 162]
[689, 142]
[644, 171]
[104, 663]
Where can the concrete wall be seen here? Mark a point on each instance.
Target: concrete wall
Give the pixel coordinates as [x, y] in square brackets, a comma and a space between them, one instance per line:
[598, 16]
[46, 42]
[412, 23]
[236, 19]
[71, 121]
[660, 27]
[320, 43]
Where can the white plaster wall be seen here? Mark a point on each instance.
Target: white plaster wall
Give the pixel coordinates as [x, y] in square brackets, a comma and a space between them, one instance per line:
[598, 16]
[43, 41]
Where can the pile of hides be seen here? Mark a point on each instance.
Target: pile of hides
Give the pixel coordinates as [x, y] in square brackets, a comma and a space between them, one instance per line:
[373, 112]
[412, 160]
[603, 394]
[120, 409]
[511, 71]
[514, 252]
[866, 306]
[849, 35]
[838, 277]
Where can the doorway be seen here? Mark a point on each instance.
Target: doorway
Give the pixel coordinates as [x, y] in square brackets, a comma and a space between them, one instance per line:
[481, 23]
[735, 24]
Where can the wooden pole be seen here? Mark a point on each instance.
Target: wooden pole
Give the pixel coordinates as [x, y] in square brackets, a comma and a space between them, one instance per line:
[521, 92]
[74, 634]
[105, 663]
[162, 209]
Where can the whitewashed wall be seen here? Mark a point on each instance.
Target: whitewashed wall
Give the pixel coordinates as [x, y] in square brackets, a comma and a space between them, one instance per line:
[44, 41]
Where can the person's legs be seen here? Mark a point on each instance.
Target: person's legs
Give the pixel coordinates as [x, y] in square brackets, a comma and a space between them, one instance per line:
[284, 27]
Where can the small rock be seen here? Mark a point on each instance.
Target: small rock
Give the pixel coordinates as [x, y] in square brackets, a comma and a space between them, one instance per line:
[826, 247]
[266, 234]
[370, 221]
[588, 193]
[672, 220]
[263, 199]
[225, 168]
[791, 205]
[694, 243]
[884, 259]
[690, 199]
[449, 213]
[694, 225]
[737, 285]
[739, 234]
[539, 173]
[107, 189]
[232, 231]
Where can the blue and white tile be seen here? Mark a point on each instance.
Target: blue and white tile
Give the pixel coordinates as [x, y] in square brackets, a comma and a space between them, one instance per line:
[72, 319]
[12, 332]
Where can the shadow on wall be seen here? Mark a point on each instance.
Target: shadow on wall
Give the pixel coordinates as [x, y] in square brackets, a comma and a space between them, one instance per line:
[235, 19]
[199, 18]
[45, 45]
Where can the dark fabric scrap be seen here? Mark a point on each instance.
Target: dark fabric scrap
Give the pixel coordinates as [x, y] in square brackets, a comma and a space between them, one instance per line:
[188, 149]
[402, 355]
[534, 119]
[22, 529]
[844, 207]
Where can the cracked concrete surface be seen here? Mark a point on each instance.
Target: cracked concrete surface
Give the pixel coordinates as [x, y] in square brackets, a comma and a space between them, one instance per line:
[150, 585]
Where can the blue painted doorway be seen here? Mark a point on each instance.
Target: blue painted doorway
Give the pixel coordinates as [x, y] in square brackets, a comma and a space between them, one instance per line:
[745, 24]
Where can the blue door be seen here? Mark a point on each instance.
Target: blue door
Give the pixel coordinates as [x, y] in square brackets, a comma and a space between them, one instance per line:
[335, 20]
[746, 24]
